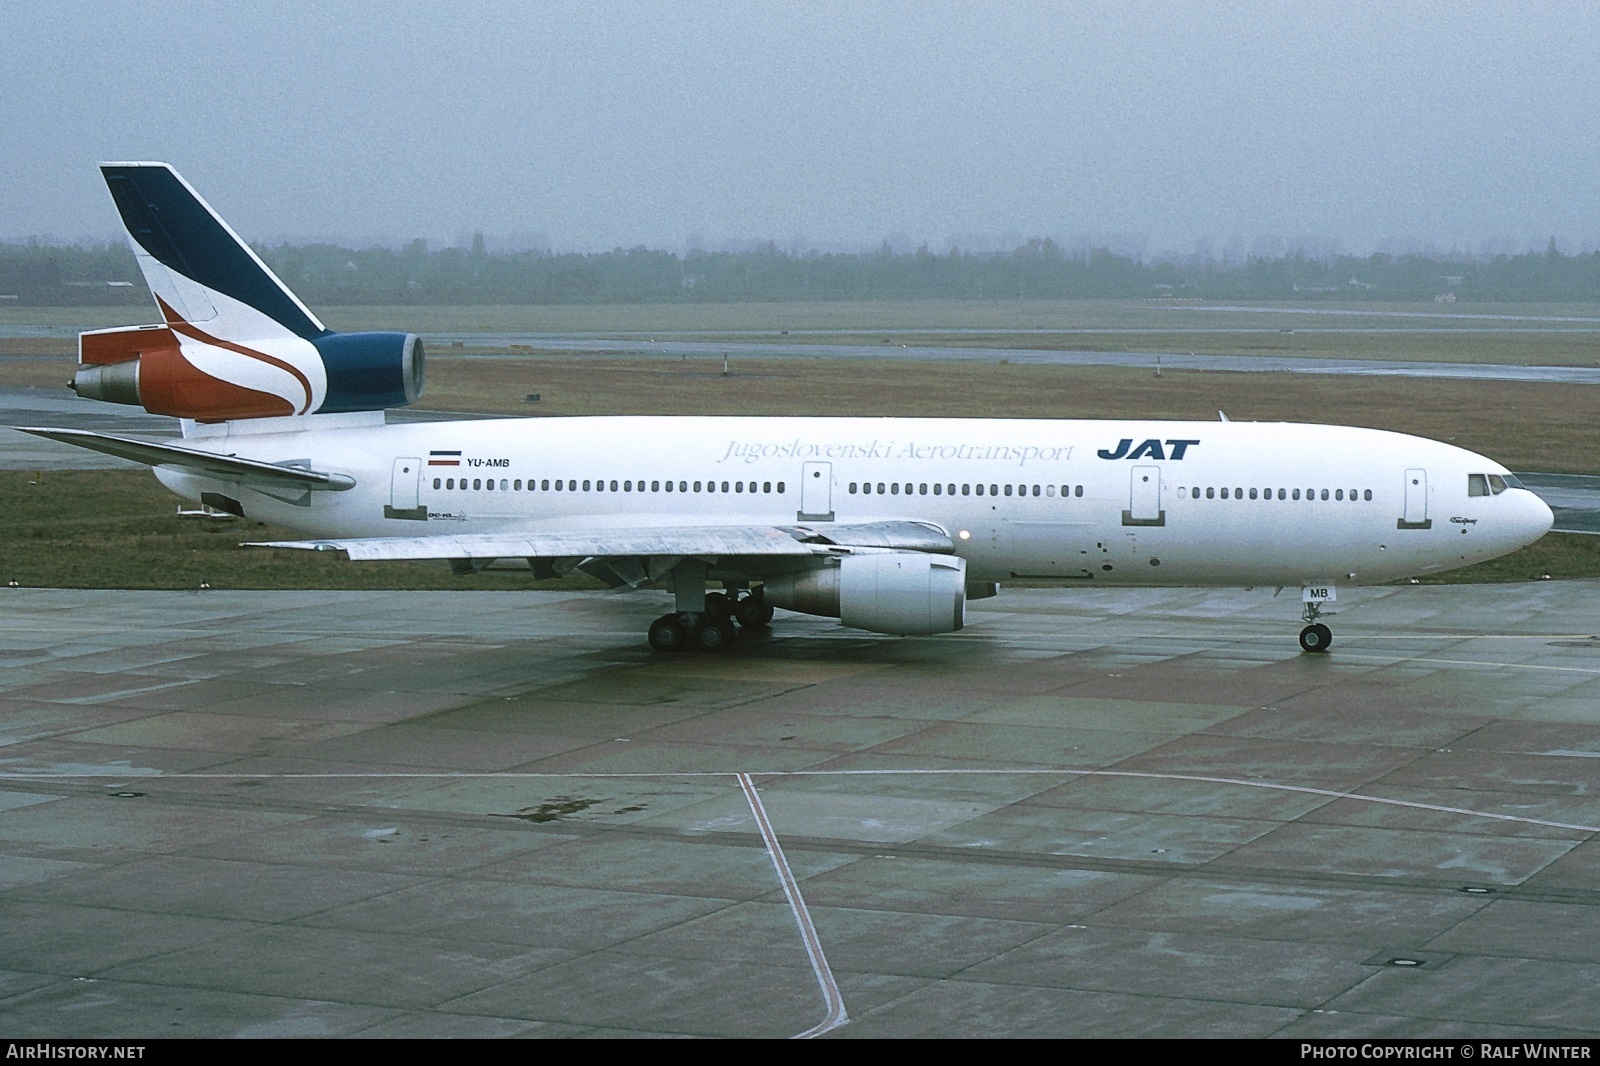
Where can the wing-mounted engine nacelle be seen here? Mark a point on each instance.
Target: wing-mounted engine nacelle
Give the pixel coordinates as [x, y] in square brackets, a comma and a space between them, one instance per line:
[904, 593]
[214, 381]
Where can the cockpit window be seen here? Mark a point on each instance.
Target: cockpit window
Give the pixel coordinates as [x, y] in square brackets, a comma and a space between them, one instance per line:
[1490, 484]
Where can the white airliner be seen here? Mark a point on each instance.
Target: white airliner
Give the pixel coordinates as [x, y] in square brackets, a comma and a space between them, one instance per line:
[888, 524]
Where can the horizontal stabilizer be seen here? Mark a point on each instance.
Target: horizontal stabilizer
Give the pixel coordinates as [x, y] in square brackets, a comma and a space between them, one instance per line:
[227, 467]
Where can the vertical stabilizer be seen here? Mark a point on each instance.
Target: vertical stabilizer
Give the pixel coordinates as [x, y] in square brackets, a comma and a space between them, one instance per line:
[195, 264]
[234, 342]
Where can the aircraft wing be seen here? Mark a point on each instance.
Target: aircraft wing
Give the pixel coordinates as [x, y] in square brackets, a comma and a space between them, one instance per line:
[566, 544]
[636, 553]
[230, 467]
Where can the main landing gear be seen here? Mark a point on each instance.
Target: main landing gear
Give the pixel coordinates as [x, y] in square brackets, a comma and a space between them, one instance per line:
[711, 629]
[1315, 637]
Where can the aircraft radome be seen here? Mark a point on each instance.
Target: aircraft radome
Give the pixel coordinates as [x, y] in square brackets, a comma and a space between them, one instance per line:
[888, 524]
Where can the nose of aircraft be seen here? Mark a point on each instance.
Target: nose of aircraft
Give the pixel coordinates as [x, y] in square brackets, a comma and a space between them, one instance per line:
[1535, 518]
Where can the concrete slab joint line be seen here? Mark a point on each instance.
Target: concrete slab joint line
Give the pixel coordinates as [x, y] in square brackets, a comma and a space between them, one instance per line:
[832, 998]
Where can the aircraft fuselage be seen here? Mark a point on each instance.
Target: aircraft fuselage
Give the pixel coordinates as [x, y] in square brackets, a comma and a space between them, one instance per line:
[1104, 502]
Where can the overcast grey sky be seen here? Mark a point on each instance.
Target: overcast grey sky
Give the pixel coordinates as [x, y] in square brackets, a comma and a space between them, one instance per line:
[1449, 123]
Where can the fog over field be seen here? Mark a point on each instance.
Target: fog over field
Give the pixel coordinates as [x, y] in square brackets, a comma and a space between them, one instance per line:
[1160, 128]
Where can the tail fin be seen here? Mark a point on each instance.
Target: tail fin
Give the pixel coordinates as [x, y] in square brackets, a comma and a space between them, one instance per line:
[234, 341]
[197, 268]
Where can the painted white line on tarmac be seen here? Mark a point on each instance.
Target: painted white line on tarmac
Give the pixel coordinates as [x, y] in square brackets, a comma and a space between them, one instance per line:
[832, 999]
[145, 778]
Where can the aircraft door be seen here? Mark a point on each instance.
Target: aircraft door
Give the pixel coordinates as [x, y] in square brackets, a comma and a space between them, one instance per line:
[1416, 512]
[1144, 498]
[816, 493]
[405, 490]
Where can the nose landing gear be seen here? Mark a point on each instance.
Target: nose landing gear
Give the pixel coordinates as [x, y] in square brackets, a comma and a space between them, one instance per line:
[1315, 637]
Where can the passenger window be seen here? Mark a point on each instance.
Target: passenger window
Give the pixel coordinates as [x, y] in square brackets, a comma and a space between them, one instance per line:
[1366, 494]
[1324, 494]
[1252, 494]
[966, 490]
[1078, 491]
[697, 486]
[1211, 493]
[922, 489]
[435, 482]
[980, 490]
[1008, 490]
[938, 489]
[1296, 494]
[724, 486]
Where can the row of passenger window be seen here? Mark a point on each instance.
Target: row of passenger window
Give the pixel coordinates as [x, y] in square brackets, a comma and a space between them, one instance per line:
[910, 488]
[602, 485]
[1268, 494]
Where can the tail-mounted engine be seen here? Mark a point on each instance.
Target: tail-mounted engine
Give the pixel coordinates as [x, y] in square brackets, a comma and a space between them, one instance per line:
[177, 369]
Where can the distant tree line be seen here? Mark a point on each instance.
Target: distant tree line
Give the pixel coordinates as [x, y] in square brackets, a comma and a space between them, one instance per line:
[41, 274]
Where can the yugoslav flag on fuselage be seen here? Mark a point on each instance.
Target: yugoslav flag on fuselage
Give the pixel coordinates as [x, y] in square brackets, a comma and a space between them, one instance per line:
[236, 323]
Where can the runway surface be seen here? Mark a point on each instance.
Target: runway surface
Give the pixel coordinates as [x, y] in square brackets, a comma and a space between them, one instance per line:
[638, 347]
[1091, 813]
